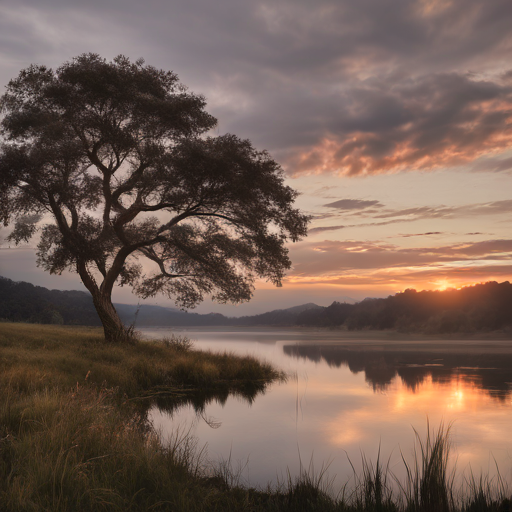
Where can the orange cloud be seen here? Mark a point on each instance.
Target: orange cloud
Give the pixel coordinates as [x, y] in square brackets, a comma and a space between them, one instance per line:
[434, 121]
[383, 266]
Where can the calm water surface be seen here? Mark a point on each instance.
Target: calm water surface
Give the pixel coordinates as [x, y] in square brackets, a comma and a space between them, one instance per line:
[347, 397]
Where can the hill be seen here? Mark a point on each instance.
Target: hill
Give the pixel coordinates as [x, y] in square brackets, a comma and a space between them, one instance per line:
[482, 307]
[24, 302]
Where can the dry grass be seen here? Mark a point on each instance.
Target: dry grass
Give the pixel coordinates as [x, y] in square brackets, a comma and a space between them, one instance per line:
[40, 356]
[73, 434]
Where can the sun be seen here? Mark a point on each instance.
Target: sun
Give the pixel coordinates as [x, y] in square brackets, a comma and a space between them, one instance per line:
[442, 285]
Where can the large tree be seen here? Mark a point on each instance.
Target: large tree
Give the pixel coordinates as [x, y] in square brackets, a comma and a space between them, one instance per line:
[114, 157]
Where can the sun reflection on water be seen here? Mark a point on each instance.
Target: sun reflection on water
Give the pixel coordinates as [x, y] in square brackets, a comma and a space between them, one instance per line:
[346, 402]
[480, 424]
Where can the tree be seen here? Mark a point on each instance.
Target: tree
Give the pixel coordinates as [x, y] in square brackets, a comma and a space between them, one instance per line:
[116, 155]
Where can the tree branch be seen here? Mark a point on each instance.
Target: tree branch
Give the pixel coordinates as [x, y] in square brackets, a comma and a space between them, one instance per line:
[119, 260]
[150, 254]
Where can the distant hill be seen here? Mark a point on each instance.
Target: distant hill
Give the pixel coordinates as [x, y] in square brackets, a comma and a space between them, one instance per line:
[482, 307]
[24, 302]
[148, 316]
[278, 317]
[155, 315]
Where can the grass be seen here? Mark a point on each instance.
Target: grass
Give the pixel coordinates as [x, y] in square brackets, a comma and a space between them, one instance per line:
[39, 356]
[74, 436]
[73, 428]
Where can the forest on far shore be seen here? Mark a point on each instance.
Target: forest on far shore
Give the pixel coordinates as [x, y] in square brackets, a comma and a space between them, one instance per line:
[478, 308]
[482, 307]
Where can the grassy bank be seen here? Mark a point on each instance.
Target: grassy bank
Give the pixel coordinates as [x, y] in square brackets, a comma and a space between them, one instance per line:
[74, 436]
[73, 431]
[35, 357]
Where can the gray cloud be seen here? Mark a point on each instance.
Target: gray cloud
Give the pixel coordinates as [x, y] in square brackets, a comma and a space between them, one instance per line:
[493, 165]
[417, 213]
[352, 87]
[429, 233]
[322, 229]
[352, 204]
[427, 122]
[436, 212]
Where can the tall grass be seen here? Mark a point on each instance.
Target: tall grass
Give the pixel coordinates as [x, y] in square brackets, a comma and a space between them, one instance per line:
[40, 356]
[73, 427]
[429, 485]
[372, 491]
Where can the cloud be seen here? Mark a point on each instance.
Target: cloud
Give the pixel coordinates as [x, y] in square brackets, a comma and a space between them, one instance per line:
[424, 123]
[436, 212]
[493, 164]
[395, 216]
[350, 87]
[322, 229]
[352, 204]
[374, 263]
[399, 279]
[429, 233]
[330, 256]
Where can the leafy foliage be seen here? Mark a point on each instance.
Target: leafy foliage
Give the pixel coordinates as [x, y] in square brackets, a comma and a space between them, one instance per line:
[116, 153]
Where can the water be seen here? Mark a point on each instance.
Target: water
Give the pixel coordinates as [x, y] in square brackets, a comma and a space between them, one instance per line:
[350, 396]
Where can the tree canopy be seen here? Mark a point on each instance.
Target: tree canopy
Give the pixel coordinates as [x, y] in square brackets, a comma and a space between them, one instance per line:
[114, 158]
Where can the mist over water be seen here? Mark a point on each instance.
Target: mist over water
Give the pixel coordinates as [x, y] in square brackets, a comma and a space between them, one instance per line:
[347, 396]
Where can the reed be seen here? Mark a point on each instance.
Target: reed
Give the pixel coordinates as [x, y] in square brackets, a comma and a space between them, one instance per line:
[429, 484]
[373, 491]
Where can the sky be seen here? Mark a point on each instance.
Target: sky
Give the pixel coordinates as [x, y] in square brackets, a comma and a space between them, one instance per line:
[392, 118]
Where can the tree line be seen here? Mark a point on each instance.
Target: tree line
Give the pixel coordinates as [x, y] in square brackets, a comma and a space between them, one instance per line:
[24, 302]
[482, 307]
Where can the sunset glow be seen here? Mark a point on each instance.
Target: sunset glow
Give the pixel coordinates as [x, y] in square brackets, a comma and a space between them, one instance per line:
[442, 285]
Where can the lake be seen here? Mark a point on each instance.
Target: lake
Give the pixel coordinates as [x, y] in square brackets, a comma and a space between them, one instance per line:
[347, 395]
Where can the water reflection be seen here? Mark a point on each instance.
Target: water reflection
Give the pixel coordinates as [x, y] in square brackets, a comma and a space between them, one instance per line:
[490, 372]
[169, 403]
[346, 400]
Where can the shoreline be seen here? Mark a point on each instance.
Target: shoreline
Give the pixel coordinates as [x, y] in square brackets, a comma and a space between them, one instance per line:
[490, 342]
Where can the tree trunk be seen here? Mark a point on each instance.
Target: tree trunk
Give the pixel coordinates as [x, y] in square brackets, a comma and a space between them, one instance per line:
[114, 329]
